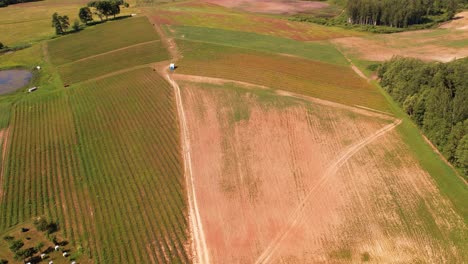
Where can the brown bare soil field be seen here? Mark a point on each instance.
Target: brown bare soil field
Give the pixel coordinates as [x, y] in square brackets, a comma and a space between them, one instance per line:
[283, 180]
[271, 6]
[444, 44]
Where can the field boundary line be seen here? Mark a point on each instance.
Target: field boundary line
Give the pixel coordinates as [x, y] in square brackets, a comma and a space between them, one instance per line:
[4, 136]
[115, 73]
[108, 52]
[357, 109]
[268, 253]
[202, 253]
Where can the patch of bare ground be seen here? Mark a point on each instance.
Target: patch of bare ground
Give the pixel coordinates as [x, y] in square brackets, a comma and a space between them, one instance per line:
[259, 158]
[424, 44]
[271, 6]
[4, 135]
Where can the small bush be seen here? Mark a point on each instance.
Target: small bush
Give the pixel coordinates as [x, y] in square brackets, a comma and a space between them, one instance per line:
[45, 226]
[16, 245]
[8, 238]
[3, 261]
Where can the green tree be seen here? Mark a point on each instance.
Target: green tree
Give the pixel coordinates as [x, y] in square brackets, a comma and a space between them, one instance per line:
[60, 23]
[1, 45]
[85, 15]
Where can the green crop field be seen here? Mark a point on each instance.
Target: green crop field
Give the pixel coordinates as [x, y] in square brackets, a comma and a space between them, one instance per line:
[101, 38]
[326, 81]
[319, 51]
[110, 62]
[200, 14]
[103, 159]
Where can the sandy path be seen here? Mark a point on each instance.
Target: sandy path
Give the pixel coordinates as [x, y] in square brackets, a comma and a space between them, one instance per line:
[202, 254]
[268, 253]
[199, 246]
[4, 135]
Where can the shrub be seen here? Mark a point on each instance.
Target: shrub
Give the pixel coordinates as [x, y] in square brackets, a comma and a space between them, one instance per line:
[8, 238]
[16, 245]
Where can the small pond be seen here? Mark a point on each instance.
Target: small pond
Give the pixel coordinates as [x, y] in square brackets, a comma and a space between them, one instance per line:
[12, 80]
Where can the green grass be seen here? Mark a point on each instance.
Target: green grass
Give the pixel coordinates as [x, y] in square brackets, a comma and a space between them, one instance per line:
[312, 78]
[463, 43]
[320, 51]
[101, 38]
[111, 62]
[448, 182]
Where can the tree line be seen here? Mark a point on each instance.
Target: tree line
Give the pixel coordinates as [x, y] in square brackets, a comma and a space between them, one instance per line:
[435, 96]
[4, 3]
[398, 13]
[102, 9]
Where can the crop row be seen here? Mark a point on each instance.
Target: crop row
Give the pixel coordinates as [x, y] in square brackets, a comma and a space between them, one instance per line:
[103, 64]
[101, 38]
[104, 160]
[312, 78]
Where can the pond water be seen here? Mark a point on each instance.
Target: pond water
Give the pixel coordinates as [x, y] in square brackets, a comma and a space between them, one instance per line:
[12, 80]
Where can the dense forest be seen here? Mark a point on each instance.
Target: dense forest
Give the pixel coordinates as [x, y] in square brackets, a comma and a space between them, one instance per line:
[4, 3]
[399, 13]
[435, 96]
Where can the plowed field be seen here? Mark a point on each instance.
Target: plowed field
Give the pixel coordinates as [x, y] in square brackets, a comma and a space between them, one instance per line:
[280, 180]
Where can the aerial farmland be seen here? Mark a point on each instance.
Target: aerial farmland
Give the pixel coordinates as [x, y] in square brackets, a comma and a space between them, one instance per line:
[212, 131]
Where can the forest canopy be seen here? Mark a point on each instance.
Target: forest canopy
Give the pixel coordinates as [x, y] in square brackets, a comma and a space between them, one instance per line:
[4, 3]
[434, 95]
[398, 13]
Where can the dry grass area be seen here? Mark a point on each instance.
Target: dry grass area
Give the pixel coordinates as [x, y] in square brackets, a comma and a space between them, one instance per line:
[272, 6]
[444, 44]
[280, 180]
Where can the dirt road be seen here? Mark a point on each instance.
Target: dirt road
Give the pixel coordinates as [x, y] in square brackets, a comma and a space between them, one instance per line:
[199, 241]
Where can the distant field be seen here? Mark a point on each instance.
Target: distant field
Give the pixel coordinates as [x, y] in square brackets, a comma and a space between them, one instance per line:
[103, 159]
[202, 14]
[319, 51]
[101, 38]
[30, 22]
[110, 62]
[322, 80]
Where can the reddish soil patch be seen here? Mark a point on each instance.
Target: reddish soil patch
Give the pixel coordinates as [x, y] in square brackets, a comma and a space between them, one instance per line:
[257, 160]
[4, 135]
[460, 22]
[271, 6]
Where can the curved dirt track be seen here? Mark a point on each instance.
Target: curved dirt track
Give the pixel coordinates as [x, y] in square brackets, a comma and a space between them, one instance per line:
[268, 254]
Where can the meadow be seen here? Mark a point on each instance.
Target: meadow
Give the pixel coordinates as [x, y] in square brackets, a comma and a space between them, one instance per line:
[111, 62]
[101, 38]
[78, 157]
[30, 22]
[319, 51]
[311, 78]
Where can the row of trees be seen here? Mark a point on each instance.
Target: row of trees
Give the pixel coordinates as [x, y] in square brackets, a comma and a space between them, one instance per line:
[398, 13]
[435, 96]
[101, 9]
[4, 3]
